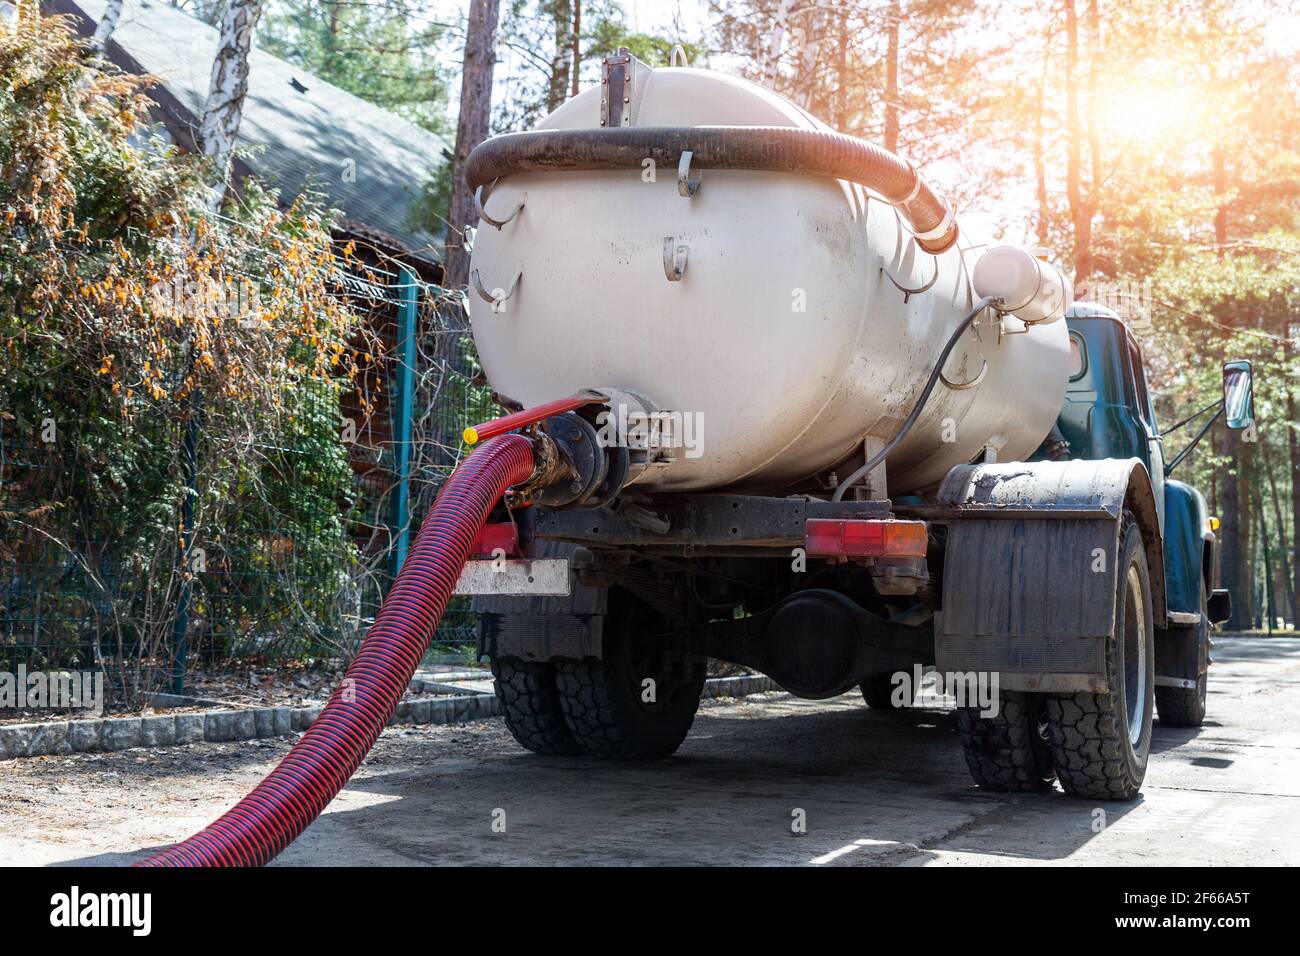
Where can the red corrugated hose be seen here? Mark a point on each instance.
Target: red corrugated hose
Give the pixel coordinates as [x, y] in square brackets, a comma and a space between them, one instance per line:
[283, 805]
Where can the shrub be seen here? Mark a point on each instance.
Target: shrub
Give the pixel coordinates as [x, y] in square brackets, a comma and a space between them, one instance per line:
[130, 317]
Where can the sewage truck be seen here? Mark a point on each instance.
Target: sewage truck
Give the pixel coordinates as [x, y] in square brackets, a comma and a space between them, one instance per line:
[807, 432]
[766, 403]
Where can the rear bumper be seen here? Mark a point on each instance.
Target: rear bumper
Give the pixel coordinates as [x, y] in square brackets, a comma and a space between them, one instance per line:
[536, 577]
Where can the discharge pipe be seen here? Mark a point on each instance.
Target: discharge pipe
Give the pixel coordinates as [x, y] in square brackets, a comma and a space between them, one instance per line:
[320, 763]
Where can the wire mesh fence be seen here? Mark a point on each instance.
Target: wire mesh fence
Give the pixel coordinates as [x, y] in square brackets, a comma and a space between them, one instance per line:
[280, 550]
[85, 589]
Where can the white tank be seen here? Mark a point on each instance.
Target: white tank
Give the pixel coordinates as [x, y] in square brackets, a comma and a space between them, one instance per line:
[788, 336]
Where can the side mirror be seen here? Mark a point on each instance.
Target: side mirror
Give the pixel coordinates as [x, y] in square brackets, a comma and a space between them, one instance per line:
[1238, 395]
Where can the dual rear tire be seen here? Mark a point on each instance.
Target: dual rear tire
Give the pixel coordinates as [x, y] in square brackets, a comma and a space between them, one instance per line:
[1009, 752]
[636, 702]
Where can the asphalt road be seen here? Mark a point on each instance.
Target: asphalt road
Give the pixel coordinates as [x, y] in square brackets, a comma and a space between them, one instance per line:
[874, 788]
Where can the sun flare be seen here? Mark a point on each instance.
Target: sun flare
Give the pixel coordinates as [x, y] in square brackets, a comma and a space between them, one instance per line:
[1147, 113]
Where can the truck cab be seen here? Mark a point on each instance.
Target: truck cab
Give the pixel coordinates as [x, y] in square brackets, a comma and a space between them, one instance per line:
[1109, 413]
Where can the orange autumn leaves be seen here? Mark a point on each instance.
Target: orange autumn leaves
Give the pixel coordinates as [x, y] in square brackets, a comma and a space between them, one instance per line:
[114, 270]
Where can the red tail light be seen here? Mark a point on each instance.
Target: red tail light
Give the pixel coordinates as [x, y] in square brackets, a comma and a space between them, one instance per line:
[503, 535]
[864, 538]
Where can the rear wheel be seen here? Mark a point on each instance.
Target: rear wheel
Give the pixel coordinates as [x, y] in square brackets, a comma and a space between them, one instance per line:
[1100, 742]
[1008, 752]
[637, 702]
[531, 706]
[1185, 706]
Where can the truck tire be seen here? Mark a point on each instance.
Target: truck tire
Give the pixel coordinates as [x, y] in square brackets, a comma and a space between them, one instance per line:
[1100, 742]
[1185, 706]
[878, 691]
[531, 706]
[603, 701]
[1008, 753]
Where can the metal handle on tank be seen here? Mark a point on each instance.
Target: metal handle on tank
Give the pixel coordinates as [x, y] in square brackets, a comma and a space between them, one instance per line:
[688, 182]
[675, 259]
[491, 298]
[481, 198]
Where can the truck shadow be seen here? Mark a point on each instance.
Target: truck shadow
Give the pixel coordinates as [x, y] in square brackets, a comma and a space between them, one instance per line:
[867, 787]
[782, 783]
[1164, 739]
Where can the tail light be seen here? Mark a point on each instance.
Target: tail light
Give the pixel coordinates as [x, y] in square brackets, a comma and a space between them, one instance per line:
[503, 535]
[865, 538]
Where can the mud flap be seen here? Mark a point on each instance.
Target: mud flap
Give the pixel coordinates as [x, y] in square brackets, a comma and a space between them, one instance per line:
[1180, 660]
[1029, 576]
[1033, 600]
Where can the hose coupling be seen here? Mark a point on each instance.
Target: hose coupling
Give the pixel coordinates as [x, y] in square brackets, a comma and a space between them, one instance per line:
[552, 467]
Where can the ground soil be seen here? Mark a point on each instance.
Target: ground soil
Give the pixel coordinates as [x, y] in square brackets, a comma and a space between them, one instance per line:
[875, 787]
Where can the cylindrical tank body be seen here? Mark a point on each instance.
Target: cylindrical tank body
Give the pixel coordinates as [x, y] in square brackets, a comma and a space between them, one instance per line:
[807, 318]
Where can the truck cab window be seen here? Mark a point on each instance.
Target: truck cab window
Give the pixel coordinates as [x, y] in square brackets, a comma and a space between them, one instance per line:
[1142, 398]
[1078, 357]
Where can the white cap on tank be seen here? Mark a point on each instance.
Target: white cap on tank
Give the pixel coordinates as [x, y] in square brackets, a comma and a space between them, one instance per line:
[1032, 290]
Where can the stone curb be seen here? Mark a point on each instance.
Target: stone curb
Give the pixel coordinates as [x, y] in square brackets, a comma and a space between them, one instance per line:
[101, 735]
[741, 686]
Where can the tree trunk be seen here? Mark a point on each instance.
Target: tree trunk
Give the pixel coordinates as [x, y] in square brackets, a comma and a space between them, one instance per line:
[775, 39]
[1284, 558]
[219, 130]
[1040, 161]
[808, 77]
[1234, 492]
[1214, 475]
[107, 24]
[1236, 527]
[562, 60]
[842, 79]
[1080, 208]
[1293, 449]
[577, 44]
[331, 40]
[1286, 538]
[1096, 62]
[471, 129]
[1267, 604]
[895, 15]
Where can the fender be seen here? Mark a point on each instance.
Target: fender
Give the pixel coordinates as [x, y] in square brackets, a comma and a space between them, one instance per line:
[1189, 550]
[1029, 568]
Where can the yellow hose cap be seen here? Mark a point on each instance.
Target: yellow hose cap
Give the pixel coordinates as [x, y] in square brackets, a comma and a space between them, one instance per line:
[470, 434]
